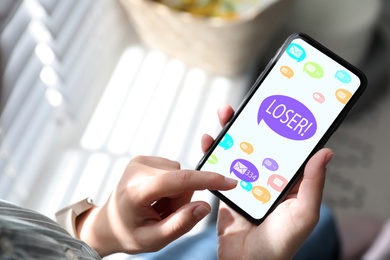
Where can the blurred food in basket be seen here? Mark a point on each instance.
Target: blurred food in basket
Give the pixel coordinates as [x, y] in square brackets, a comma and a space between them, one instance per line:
[229, 9]
[213, 43]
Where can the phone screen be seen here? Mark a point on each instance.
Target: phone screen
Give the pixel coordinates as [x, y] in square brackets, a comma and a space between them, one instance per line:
[289, 114]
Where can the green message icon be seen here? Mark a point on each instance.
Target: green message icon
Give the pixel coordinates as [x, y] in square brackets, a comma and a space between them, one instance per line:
[313, 70]
[213, 159]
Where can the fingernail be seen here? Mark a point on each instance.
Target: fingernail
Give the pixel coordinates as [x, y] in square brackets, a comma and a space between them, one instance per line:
[200, 212]
[328, 158]
[231, 182]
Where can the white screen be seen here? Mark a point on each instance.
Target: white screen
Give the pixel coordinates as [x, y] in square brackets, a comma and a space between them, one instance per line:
[298, 101]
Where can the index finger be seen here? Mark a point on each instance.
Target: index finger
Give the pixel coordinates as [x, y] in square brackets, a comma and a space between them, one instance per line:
[225, 112]
[175, 183]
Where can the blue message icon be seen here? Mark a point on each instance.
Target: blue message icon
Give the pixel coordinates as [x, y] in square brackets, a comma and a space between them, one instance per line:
[226, 142]
[343, 76]
[296, 52]
[246, 185]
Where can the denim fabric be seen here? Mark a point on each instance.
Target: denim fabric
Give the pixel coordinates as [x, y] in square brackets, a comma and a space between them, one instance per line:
[323, 244]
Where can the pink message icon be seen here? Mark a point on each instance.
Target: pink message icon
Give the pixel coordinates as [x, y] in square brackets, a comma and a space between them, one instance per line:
[277, 182]
[319, 97]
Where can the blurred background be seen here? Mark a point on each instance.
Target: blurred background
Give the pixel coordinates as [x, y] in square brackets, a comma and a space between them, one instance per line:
[88, 84]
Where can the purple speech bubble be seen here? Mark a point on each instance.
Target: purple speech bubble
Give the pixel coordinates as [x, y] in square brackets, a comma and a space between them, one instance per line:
[270, 164]
[288, 117]
[244, 170]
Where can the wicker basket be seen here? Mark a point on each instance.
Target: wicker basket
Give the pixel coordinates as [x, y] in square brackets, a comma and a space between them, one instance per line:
[217, 45]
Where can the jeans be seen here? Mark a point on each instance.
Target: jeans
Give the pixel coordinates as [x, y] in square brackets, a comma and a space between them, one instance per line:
[323, 243]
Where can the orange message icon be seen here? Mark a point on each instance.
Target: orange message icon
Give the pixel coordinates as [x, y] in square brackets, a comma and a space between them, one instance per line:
[261, 194]
[343, 95]
[287, 72]
[246, 147]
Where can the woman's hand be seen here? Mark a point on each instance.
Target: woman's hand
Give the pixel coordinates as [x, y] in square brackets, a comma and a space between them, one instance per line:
[150, 207]
[285, 230]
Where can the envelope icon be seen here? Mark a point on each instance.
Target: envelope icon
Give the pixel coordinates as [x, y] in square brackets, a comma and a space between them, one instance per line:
[341, 95]
[295, 51]
[241, 168]
[258, 192]
[278, 182]
[268, 163]
[310, 68]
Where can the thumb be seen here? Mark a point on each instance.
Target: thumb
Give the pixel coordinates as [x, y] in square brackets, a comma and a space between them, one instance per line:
[312, 185]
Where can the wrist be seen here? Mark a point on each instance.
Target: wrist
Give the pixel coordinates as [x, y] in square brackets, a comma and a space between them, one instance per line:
[92, 229]
[66, 217]
[81, 224]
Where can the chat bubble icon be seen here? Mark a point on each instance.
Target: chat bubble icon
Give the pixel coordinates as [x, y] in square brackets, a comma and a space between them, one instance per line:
[343, 76]
[246, 147]
[270, 164]
[343, 95]
[287, 117]
[226, 142]
[287, 72]
[212, 159]
[313, 70]
[277, 182]
[296, 52]
[261, 194]
[244, 170]
[319, 97]
[246, 185]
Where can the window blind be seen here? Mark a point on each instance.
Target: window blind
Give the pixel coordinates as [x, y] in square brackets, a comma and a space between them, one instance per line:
[54, 56]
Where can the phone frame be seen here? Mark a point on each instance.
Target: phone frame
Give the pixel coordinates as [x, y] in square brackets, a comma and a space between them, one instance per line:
[333, 127]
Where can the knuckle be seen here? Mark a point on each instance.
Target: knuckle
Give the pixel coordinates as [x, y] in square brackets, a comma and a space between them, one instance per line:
[179, 227]
[139, 159]
[133, 193]
[130, 168]
[172, 165]
[215, 178]
[135, 196]
[183, 176]
[129, 193]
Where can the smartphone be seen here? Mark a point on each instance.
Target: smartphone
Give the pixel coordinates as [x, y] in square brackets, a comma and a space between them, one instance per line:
[293, 108]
